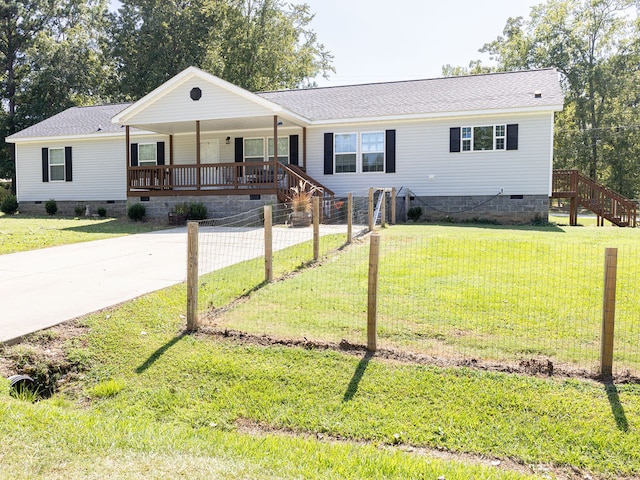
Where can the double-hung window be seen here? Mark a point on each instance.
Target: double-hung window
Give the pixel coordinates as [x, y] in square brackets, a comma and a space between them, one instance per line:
[283, 149]
[56, 164]
[147, 155]
[372, 147]
[483, 138]
[346, 152]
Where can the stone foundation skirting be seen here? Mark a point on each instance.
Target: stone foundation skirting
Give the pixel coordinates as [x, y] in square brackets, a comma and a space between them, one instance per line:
[503, 209]
[219, 206]
[115, 208]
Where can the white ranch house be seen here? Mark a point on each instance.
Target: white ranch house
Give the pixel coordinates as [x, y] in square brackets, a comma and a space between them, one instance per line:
[467, 147]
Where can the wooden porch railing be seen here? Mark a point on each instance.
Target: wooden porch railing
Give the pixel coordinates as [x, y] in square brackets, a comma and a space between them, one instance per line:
[604, 202]
[220, 179]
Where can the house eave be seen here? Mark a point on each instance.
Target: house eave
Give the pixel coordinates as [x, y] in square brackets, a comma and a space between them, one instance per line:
[84, 136]
[438, 115]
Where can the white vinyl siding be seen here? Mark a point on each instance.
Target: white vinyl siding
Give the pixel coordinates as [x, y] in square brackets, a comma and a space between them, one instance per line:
[177, 106]
[99, 171]
[425, 166]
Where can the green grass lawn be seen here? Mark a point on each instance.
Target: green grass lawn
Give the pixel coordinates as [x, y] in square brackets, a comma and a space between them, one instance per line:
[156, 403]
[474, 291]
[22, 232]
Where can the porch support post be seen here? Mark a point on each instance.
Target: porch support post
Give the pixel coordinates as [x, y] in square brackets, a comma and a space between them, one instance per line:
[170, 149]
[275, 152]
[304, 148]
[128, 155]
[197, 154]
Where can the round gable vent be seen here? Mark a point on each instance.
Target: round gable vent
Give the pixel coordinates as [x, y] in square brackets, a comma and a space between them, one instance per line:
[196, 94]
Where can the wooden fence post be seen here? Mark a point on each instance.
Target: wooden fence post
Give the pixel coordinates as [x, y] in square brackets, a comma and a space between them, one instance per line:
[372, 306]
[383, 209]
[316, 228]
[608, 311]
[268, 243]
[393, 205]
[349, 218]
[192, 276]
[371, 224]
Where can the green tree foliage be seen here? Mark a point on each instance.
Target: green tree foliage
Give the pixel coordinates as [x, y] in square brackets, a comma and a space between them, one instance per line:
[595, 45]
[51, 52]
[256, 44]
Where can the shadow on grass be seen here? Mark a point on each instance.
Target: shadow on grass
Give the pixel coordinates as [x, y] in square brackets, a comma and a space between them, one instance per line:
[552, 228]
[159, 352]
[616, 407]
[116, 226]
[352, 388]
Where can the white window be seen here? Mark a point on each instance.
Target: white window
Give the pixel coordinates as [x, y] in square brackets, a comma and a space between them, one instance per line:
[254, 149]
[372, 148]
[483, 138]
[56, 164]
[147, 154]
[346, 154]
[283, 149]
[500, 137]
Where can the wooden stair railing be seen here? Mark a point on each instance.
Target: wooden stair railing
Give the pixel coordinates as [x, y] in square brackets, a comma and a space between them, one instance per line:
[291, 176]
[585, 192]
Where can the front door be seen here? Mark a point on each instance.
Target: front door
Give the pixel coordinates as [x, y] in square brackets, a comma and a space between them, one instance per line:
[210, 155]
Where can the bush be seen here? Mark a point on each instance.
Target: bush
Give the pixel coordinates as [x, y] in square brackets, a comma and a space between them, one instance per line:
[9, 205]
[51, 207]
[79, 210]
[102, 212]
[414, 213]
[197, 211]
[137, 212]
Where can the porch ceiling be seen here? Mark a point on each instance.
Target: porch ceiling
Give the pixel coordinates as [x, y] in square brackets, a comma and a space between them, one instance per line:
[217, 125]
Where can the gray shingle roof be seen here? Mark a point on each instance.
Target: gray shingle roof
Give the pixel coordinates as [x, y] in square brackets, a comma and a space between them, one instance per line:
[415, 97]
[76, 121]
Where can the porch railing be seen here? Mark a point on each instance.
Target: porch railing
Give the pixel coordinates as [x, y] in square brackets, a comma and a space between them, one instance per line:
[220, 179]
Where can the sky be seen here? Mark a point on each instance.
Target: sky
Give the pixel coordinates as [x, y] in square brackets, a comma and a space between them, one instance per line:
[386, 40]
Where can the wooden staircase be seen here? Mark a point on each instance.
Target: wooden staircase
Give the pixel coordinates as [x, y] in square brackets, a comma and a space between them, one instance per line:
[585, 192]
[290, 176]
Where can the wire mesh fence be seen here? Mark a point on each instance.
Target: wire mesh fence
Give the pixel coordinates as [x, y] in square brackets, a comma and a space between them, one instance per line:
[520, 298]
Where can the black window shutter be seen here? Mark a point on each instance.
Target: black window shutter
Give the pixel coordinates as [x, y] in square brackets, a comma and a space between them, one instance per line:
[239, 149]
[134, 154]
[512, 136]
[160, 153]
[293, 149]
[68, 167]
[390, 151]
[454, 139]
[239, 154]
[45, 164]
[328, 153]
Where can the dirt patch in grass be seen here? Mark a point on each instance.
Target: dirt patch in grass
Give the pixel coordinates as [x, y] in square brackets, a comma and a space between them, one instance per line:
[51, 357]
[532, 366]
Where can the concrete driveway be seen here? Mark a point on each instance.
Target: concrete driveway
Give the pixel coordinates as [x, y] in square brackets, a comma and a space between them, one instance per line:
[41, 288]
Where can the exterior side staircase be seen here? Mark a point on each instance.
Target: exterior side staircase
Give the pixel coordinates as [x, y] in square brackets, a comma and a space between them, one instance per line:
[585, 192]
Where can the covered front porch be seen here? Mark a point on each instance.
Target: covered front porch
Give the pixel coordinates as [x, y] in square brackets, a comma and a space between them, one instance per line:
[200, 135]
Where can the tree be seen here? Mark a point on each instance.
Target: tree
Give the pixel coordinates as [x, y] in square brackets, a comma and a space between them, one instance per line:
[256, 44]
[52, 58]
[594, 44]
